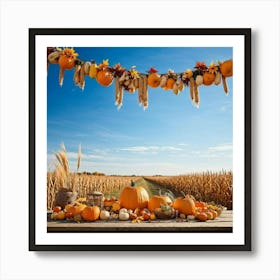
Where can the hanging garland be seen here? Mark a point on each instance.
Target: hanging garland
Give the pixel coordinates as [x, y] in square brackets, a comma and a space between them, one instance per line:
[131, 80]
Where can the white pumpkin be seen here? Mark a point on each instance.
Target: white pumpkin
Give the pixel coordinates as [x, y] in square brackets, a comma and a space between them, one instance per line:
[104, 215]
[123, 216]
[123, 210]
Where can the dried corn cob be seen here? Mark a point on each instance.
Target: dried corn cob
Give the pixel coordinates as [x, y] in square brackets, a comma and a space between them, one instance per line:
[192, 83]
[196, 95]
[82, 77]
[145, 92]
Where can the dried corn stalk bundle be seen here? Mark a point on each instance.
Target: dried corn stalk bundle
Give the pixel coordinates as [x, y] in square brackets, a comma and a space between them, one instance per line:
[192, 82]
[225, 85]
[196, 95]
[76, 76]
[143, 91]
[79, 75]
[118, 93]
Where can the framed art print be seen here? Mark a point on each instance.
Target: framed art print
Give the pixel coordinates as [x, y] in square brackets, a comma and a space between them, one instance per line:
[140, 139]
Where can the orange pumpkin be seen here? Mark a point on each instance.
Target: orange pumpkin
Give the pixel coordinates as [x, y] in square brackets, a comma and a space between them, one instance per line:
[57, 209]
[76, 208]
[201, 216]
[154, 80]
[185, 205]
[69, 215]
[133, 197]
[104, 78]
[208, 78]
[61, 215]
[91, 213]
[200, 204]
[210, 215]
[169, 83]
[67, 59]
[157, 200]
[226, 68]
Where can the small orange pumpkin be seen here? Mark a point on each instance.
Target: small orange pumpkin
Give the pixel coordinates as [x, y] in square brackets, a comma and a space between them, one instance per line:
[153, 78]
[185, 205]
[169, 83]
[69, 215]
[202, 216]
[200, 204]
[61, 215]
[133, 197]
[210, 215]
[157, 200]
[75, 209]
[67, 59]
[104, 78]
[208, 78]
[57, 209]
[226, 68]
[91, 213]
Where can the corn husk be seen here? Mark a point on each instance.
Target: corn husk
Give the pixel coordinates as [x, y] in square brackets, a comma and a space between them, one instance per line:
[199, 80]
[225, 85]
[218, 78]
[118, 92]
[192, 83]
[196, 95]
[61, 76]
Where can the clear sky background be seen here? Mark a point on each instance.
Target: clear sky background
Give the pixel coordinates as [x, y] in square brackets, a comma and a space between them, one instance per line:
[170, 137]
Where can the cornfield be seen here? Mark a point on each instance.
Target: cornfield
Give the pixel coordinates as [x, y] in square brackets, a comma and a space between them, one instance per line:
[84, 183]
[208, 186]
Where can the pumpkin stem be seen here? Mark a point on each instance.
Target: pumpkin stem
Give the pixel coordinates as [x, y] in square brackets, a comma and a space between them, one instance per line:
[159, 191]
[183, 193]
[132, 183]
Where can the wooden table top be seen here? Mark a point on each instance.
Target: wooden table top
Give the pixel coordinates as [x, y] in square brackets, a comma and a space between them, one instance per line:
[223, 223]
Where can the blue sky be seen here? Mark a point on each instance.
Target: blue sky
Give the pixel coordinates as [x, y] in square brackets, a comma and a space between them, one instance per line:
[170, 137]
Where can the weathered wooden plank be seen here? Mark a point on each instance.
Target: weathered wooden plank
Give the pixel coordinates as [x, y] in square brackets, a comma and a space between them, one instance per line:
[221, 224]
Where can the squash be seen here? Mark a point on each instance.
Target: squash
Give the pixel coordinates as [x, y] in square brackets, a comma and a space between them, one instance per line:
[93, 70]
[133, 197]
[208, 78]
[123, 216]
[156, 200]
[116, 206]
[61, 215]
[185, 205]
[202, 216]
[123, 210]
[226, 68]
[104, 215]
[200, 204]
[169, 84]
[153, 78]
[90, 213]
[77, 208]
[104, 78]
[54, 216]
[67, 59]
[153, 216]
[57, 209]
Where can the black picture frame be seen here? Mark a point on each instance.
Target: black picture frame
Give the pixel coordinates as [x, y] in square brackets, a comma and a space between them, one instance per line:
[246, 33]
